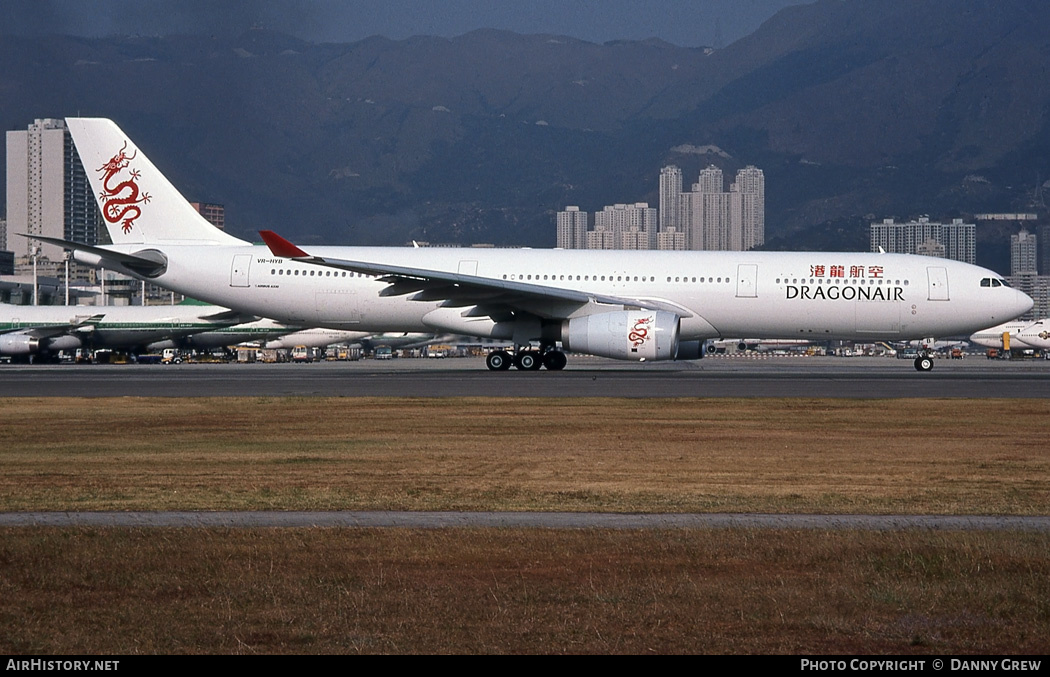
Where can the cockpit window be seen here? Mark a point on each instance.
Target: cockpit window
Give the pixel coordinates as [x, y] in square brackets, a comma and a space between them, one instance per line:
[1004, 283]
[986, 282]
[994, 282]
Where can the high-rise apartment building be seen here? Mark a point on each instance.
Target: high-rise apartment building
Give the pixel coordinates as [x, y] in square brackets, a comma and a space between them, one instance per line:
[48, 192]
[1044, 253]
[1024, 258]
[958, 239]
[633, 226]
[930, 247]
[670, 196]
[7, 259]
[214, 214]
[572, 228]
[749, 191]
[600, 238]
[670, 239]
[716, 220]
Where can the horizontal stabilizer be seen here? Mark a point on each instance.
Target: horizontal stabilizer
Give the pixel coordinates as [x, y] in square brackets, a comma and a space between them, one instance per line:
[141, 264]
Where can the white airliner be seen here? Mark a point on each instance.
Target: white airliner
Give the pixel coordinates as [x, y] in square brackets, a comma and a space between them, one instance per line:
[936, 345]
[42, 330]
[317, 337]
[221, 337]
[631, 305]
[721, 345]
[1023, 335]
[404, 340]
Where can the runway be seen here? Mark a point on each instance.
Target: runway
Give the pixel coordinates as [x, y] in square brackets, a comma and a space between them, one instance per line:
[538, 520]
[778, 376]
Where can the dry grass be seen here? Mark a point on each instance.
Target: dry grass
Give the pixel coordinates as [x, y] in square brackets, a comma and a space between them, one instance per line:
[688, 455]
[128, 591]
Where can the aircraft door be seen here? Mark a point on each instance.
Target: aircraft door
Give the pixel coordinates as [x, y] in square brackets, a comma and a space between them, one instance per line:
[938, 279]
[747, 280]
[239, 270]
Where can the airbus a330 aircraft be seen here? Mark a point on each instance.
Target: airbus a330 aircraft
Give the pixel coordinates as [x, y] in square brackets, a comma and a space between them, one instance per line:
[631, 305]
[1023, 335]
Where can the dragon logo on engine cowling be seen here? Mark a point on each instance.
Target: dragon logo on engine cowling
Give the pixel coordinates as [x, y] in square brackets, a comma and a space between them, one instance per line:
[640, 331]
[121, 199]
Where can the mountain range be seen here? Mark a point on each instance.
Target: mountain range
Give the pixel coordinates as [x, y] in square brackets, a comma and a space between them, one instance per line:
[854, 110]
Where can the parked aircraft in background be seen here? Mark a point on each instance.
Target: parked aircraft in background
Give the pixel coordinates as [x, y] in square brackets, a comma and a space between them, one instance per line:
[44, 330]
[318, 337]
[1021, 335]
[405, 340]
[631, 305]
[722, 345]
[221, 337]
[936, 345]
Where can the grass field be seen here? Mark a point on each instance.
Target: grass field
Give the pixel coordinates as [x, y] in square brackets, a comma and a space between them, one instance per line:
[128, 591]
[652, 455]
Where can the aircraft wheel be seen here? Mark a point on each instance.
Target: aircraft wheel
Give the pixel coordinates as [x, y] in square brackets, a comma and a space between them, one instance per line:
[498, 360]
[923, 363]
[555, 360]
[528, 360]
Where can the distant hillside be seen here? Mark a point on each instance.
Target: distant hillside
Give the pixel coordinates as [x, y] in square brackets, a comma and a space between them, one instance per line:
[882, 108]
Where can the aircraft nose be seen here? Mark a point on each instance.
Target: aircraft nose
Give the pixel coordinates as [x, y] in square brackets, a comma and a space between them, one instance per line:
[1022, 303]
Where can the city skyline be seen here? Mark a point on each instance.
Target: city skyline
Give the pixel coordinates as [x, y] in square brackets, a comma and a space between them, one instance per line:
[707, 218]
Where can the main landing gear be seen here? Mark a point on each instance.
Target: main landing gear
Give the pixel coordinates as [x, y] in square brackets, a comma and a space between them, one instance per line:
[923, 362]
[527, 359]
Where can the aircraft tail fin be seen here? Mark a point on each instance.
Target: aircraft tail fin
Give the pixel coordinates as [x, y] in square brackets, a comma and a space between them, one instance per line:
[138, 204]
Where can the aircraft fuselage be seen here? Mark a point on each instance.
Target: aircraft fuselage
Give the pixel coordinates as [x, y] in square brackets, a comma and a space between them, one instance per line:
[816, 295]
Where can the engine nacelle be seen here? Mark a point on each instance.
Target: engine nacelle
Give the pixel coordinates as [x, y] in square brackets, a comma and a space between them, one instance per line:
[625, 335]
[63, 342]
[19, 344]
[690, 350]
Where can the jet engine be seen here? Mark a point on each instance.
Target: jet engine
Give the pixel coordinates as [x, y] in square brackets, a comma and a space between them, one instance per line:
[625, 335]
[64, 342]
[19, 344]
[690, 350]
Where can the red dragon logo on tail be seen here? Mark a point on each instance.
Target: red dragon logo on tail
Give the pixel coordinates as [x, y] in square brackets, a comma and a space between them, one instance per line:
[120, 201]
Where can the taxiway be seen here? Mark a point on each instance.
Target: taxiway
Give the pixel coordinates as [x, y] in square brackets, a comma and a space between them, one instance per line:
[876, 378]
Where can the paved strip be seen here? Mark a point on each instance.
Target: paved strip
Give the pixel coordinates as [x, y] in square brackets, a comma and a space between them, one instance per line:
[549, 520]
[777, 377]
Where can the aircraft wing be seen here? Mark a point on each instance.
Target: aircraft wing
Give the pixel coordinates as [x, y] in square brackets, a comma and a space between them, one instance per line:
[51, 330]
[491, 297]
[230, 317]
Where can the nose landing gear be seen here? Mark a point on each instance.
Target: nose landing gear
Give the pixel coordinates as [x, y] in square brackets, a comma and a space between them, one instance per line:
[923, 362]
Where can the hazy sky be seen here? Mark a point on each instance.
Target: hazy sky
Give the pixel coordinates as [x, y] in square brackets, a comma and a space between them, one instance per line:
[688, 23]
